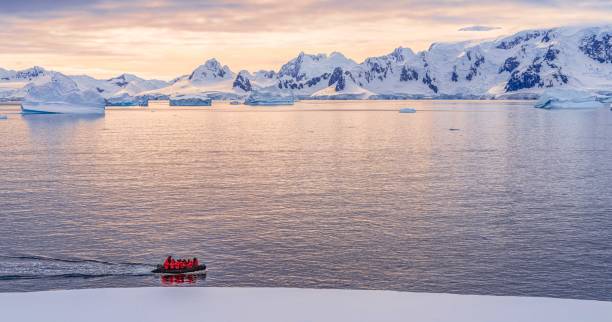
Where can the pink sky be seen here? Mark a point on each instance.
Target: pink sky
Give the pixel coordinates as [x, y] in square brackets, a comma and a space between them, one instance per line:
[164, 39]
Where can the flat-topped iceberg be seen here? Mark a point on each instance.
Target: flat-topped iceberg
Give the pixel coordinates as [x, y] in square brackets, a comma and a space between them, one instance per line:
[125, 99]
[57, 93]
[261, 98]
[567, 98]
[190, 100]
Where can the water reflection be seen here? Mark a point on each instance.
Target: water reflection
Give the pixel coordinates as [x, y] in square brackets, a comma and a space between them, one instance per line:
[59, 127]
[189, 279]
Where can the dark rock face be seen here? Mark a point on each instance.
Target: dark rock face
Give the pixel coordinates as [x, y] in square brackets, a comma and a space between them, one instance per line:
[532, 76]
[290, 84]
[408, 74]
[454, 75]
[377, 70]
[269, 74]
[507, 44]
[527, 79]
[337, 77]
[598, 48]
[430, 83]
[119, 81]
[559, 78]
[551, 54]
[242, 83]
[478, 60]
[315, 80]
[510, 64]
[30, 73]
[293, 69]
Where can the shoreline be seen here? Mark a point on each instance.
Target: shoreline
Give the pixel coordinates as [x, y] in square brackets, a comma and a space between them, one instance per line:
[289, 304]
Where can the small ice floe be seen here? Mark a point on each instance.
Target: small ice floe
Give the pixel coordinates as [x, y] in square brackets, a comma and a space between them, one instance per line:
[235, 102]
[407, 110]
[3, 117]
[453, 129]
[567, 98]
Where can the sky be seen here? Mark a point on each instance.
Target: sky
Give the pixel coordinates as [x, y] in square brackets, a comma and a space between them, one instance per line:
[165, 39]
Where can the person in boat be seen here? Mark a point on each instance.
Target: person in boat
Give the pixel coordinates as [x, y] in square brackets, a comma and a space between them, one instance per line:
[195, 262]
[167, 262]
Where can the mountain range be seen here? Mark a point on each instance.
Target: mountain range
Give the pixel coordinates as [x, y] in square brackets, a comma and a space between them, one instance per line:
[520, 66]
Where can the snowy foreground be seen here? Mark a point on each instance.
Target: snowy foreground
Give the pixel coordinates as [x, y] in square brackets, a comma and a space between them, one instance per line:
[284, 305]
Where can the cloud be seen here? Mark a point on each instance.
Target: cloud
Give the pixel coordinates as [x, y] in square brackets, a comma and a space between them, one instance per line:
[479, 28]
[168, 37]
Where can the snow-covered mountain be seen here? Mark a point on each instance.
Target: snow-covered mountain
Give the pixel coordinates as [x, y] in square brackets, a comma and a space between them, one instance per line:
[13, 83]
[519, 66]
[211, 78]
[123, 84]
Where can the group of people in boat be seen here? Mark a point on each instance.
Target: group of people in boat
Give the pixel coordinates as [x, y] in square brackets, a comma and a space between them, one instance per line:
[172, 264]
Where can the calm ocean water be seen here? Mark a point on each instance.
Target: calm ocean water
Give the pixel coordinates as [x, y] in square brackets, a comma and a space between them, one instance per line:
[516, 201]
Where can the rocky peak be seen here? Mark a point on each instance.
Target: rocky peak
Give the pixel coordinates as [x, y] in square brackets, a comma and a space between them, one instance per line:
[211, 70]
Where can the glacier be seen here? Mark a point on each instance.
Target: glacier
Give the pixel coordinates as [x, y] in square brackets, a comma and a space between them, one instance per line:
[57, 93]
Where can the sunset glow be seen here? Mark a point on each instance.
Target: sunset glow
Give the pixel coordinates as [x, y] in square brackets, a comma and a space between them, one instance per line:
[167, 38]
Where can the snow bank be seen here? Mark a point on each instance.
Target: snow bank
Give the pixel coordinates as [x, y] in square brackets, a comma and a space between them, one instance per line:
[285, 305]
[566, 98]
[60, 94]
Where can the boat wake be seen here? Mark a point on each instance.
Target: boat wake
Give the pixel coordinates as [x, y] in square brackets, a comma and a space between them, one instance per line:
[28, 267]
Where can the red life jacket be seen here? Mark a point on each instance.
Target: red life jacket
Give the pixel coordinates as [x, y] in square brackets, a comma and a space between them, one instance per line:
[173, 264]
[195, 262]
[189, 264]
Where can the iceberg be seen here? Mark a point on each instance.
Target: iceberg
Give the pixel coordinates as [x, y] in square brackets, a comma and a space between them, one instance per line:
[407, 110]
[57, 93]
[125, 99]
[567, 98]
[261, 98]
[190, 100]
